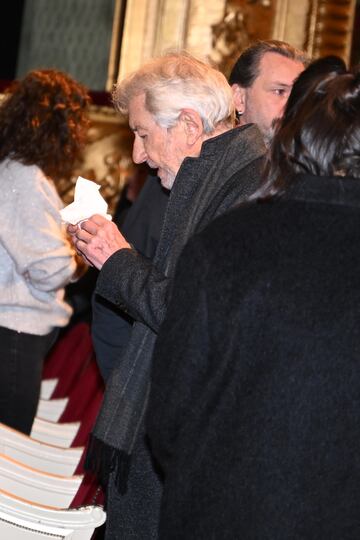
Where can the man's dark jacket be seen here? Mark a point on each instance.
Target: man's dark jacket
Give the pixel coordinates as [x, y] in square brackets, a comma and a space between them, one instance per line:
[110, 327]
[227, 171]
[254, 413]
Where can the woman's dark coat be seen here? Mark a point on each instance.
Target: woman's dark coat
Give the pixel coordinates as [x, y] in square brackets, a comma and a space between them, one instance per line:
[254, 411]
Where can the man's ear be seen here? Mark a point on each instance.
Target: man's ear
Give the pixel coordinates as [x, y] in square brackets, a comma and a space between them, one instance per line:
[193, 125]
[239, 97]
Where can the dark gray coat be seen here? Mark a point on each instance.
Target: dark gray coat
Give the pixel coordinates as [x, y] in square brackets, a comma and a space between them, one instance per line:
[226, 172]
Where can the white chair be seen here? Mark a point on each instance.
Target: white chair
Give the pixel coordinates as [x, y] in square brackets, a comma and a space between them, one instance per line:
[58, 434]
[23, 520]
[37, 486]
[37, 454]
[51, 409]
[47, 387]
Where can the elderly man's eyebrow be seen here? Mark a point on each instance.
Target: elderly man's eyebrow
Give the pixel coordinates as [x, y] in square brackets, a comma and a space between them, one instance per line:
[135, 129]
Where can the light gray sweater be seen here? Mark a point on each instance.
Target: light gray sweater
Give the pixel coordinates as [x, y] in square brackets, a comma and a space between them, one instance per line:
[36, 259]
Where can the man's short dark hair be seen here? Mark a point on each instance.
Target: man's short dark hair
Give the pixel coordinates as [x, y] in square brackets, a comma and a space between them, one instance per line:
[246, 69]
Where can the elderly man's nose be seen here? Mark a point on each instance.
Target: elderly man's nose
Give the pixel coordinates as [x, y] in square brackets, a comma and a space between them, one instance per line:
[139, 154]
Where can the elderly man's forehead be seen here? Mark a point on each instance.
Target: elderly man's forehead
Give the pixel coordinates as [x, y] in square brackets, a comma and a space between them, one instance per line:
[138, 113]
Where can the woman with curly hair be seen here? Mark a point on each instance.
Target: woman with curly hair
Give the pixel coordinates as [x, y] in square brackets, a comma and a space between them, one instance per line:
[43, 124]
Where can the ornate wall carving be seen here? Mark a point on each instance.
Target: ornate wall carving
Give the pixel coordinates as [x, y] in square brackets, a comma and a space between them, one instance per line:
[220, 29]
[244, 21]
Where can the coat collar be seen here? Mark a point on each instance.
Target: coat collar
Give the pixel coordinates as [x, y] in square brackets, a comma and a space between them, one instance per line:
[337, 190]
[230, 150]
[226, 141]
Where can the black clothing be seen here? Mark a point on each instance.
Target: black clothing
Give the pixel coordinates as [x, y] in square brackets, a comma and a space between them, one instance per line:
[254, 412]
[111, 327]
[20, 376]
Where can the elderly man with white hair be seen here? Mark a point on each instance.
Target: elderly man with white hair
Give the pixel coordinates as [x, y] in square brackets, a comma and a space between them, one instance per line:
[182, 115]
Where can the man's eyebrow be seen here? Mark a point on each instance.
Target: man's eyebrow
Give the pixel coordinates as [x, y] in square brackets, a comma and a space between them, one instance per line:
[135, 129]
[284, 85]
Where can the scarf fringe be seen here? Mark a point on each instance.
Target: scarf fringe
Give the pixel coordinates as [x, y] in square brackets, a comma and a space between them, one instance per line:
[103, 459]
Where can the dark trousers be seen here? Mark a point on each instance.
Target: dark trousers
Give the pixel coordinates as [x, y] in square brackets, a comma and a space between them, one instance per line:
[21, 362]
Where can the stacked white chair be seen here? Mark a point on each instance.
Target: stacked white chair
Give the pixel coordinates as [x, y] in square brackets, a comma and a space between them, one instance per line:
[51, 409]
[47, 387]
[37, 472]
[37, 486]
[57, 434]
[37, 454]
[23, 520]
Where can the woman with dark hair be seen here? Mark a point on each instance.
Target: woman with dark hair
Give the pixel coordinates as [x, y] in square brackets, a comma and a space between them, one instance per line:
[254, 409]
[43, 124]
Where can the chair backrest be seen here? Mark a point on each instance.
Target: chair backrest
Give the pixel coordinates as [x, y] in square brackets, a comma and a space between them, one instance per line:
[21, 519]
[37, 486]
[54, 433]
[47, 387]
[51, 409]
[89, 492]
[37, 454]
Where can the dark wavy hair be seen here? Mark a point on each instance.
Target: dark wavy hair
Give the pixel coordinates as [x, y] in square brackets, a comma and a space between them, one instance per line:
[43, 122]
[319, 133]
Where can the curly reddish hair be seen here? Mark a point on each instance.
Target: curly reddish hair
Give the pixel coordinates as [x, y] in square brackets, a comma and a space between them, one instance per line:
[43, 122]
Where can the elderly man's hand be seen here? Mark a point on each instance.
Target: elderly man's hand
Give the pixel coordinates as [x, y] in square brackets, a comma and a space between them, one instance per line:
[96, 239]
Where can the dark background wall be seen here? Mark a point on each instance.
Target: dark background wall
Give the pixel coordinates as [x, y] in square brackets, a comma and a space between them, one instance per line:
[70, 35]
[10, 29]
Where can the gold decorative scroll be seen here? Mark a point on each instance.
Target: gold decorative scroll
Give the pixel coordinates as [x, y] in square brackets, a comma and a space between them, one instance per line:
[244, 21]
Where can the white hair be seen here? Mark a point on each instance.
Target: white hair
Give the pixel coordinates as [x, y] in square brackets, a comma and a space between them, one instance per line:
[178, 81]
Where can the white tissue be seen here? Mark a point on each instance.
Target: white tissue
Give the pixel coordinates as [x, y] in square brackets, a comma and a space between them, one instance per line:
[87, 201]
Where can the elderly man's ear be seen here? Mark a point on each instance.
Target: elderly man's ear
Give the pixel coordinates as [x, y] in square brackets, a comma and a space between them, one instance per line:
[239, 97]
[192, 125]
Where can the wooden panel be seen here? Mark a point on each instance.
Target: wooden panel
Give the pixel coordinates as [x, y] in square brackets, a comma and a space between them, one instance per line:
[355, 46]
[331, 27]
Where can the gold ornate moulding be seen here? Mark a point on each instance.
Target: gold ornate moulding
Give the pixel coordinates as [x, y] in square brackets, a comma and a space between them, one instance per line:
[220, 29]
[320, 27]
